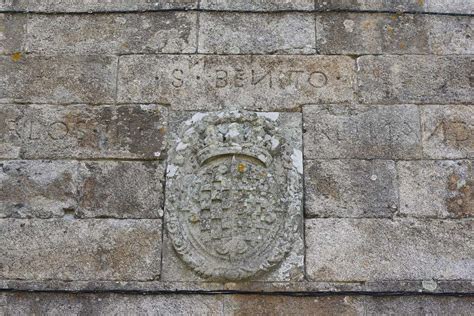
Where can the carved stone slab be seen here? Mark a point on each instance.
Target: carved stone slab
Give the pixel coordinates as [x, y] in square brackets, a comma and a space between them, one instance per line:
[233, 196]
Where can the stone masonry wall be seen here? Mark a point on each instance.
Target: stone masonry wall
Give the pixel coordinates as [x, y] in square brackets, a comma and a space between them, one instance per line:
[92, 94]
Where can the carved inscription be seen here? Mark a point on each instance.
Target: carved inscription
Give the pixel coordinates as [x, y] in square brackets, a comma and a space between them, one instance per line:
[82, 131]
[241, 78]
[31, 130]
[263, 83]
[374, 131]
[454, 133]
[232, 195]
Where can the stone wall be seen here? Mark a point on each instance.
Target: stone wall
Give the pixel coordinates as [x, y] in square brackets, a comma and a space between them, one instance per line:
[378, 96]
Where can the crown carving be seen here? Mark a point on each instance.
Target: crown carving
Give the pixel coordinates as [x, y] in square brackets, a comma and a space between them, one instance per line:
[234, 134]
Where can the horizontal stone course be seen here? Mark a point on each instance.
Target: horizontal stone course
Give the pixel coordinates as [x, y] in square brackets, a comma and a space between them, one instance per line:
[422, 6]
[209, 83]
[241, 33]
[64, 249]
[344, 305]
[363, 132]
[442, 189]
[448, 131]
[343, 250]
[374, 33]
[109, 304]
[59, 79]
[154, 32]
[89, 6]
[71, 189]
[282, 33]
[237, 304]
[428, 6]
[350, 188]
[415, 79]
[80, 131]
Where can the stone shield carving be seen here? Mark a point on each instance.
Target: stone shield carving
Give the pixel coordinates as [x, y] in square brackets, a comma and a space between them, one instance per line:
[233, 197]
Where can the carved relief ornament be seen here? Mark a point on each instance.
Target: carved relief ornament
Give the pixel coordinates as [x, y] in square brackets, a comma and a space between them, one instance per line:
[233, 194]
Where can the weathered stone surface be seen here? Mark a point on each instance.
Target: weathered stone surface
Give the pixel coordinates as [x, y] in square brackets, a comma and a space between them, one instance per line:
[434, 6]
[315, 288]
[155, 32]
[350, 188]
[24, 303]
[47, 189]
[81, 131]
[121, 189]
[291, 305]
[234, 192]
[289, 33]
[451, 34]
[94, 249]
[346, 305]
[381, 249]
[418, 305]
[257, 5]
[175, 270]
[448, 131]
[358, 131]
[90, 104]
[37, 188]
[12, 34]
[60, 79]
[10, 5]
[249, 82]
[369, 33]
[437, 188]
[415, 79]
[90, 6]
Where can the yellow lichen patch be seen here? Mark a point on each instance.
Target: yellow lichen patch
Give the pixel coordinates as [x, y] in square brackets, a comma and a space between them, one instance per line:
[396, 16]
[421, 3]
[16, 56]
[193, 218]
[389, 29]
[241, 167]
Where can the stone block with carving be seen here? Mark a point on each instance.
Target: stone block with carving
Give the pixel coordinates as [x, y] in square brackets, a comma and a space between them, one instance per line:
[234, 196]
[448, 131]
[257, 83]
[79, 131]
[361, 132]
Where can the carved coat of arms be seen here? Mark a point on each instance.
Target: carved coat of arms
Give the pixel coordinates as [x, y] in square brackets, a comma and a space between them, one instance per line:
[233, 197]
